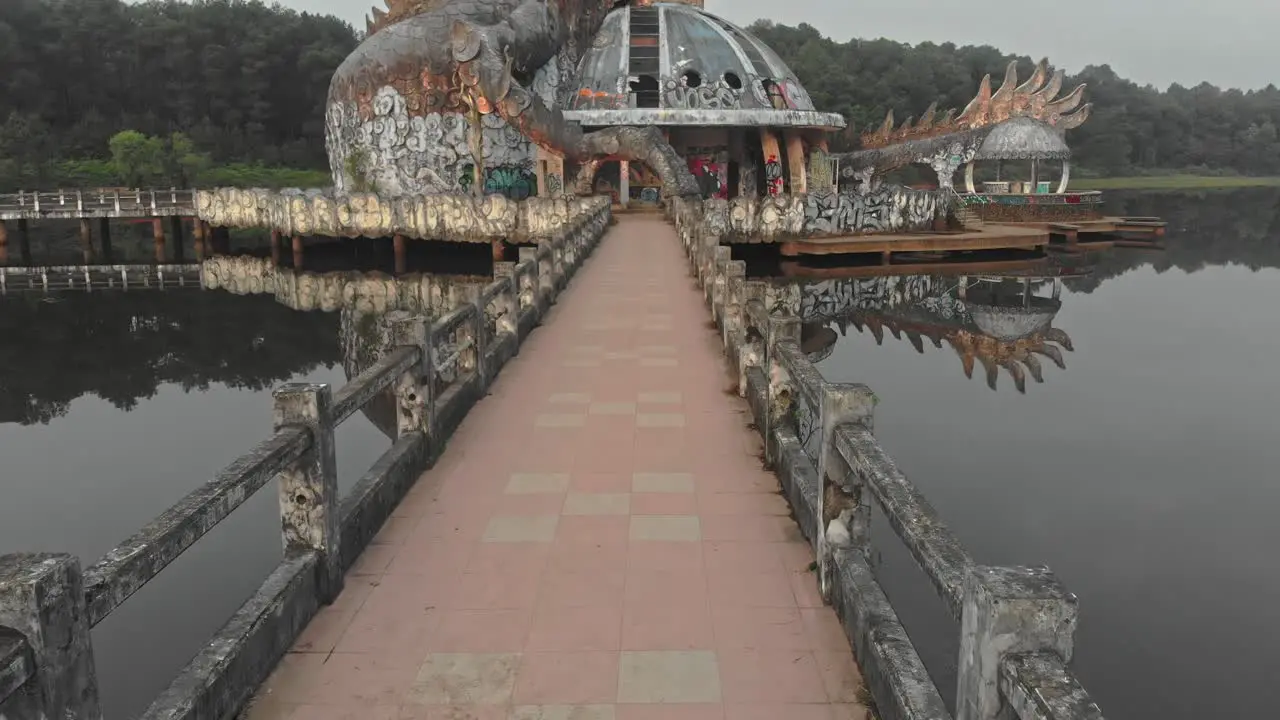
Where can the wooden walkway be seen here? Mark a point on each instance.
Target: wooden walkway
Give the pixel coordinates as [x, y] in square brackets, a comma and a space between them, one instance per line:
[598, 542]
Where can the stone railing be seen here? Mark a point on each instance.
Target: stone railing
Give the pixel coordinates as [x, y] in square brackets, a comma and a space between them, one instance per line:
[436, 370]
[51, 278]
[97, 202]
[1017, 625]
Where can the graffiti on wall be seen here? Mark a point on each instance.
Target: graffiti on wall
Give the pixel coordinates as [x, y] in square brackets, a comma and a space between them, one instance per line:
[708, 96]
[773, 175]
[555, 184]
[644, 183]
[890, 208]
[747, 179]
[821, 171]
[398, 152]
[710, 167]
[514, 181]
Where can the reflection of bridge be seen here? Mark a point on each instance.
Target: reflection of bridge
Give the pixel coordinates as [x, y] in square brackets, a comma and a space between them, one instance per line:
[50, 278]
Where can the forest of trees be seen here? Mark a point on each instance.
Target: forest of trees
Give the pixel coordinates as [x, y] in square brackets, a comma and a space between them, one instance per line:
[244, 83]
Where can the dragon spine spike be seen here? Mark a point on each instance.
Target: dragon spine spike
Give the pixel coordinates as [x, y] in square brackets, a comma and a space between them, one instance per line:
[1004, 96]
[1036, 98]
[1037, 79]
[926, 120]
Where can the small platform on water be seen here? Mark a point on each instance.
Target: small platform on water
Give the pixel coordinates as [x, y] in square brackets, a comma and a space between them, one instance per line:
[988, 237]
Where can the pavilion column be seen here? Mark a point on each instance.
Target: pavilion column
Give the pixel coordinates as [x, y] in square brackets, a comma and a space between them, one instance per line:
[773, 182]
[1066, 176]
[796, 161]
[624, 182]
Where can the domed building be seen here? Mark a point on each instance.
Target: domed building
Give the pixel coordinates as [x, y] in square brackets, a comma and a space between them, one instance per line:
[726, 102]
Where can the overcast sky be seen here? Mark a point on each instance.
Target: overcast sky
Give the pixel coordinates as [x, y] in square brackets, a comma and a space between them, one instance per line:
[1230, 43]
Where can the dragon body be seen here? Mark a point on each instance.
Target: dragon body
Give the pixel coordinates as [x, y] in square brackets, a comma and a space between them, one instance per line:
[443, 95]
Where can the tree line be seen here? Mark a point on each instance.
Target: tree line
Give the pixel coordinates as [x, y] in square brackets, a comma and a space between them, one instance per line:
[243, 81]
[1134, 129]
[243, 84]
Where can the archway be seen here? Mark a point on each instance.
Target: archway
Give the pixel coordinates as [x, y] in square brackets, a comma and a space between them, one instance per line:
[641, 186]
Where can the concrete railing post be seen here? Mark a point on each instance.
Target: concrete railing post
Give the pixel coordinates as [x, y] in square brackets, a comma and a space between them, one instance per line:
[1008, 611]
[509, 320]
[414, 398]
[530, 255]
[731, 324]
[42, 599]
[720, 258]
[473, 332]
[844, 515]
[309, 501]
[781, 328]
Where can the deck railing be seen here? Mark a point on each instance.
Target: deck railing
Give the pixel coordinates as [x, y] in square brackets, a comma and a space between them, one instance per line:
[1016, 625]
[96, 202]
[437, 369]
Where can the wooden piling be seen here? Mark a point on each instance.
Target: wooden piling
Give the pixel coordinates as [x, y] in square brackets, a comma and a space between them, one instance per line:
[203, 238]
[398, 243]
[297, 252]
[275, 247]
[500, 249]
[157, 238]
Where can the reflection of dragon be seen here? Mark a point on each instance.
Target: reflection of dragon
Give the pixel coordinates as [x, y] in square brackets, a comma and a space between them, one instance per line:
[984, 328]
[429, 68]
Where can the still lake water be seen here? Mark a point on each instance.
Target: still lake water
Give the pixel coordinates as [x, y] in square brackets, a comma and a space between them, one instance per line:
[1141, 473]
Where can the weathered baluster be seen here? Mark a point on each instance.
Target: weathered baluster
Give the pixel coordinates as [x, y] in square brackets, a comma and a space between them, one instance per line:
[735, 279]
[508, 300]
[546, 275]
[720, 259]
[844, 512]
[415, 401]
[781, 328]
[1008, 611]
[42, 599]
[751, 350]
[558, 268]
[309, 490]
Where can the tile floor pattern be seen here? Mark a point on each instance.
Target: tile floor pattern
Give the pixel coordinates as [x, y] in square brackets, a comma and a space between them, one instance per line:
[599, 541]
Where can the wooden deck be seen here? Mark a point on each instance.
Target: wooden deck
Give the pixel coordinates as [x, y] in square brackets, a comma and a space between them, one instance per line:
[598, 542]
[989, 237]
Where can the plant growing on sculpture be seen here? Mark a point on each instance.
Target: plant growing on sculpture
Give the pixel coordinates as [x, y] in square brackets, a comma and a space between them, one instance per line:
[357, 172]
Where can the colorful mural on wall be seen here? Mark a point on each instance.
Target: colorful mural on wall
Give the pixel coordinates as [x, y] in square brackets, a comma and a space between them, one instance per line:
[773, 175]
[710, 167]
[644, 185]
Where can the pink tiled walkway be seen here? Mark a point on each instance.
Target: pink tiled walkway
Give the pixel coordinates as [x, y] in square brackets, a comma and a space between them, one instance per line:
[599, 541]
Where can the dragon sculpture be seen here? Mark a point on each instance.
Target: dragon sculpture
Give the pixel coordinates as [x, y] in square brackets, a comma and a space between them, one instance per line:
[441, 92]
[947, 141]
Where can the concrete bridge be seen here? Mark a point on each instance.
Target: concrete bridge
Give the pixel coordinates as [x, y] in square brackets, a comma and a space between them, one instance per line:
[162, 207]
[597, 539]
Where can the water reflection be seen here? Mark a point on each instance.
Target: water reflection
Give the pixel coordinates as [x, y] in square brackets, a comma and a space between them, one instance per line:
[1142, 477]
[123, 346]
[996, 320]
